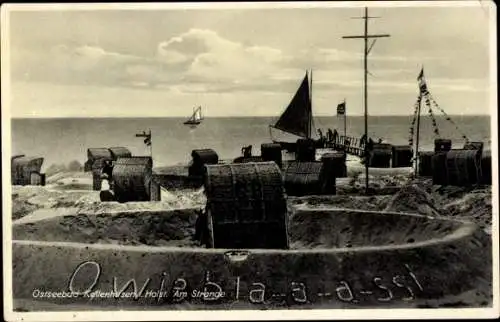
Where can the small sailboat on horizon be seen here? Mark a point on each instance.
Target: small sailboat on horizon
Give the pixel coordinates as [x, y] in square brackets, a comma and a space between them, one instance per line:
[195, 118]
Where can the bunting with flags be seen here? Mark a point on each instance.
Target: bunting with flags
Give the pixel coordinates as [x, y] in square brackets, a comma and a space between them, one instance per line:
[413, 121]
[433, 119]
[429, 102]
[448, 118]
[421, 82]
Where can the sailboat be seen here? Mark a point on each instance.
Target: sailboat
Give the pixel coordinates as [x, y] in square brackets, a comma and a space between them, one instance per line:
[297, 119]
[196, 118]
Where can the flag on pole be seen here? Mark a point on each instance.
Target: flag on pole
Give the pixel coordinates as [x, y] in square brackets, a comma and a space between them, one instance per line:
[147, 140]
[421, 75]
[341, 109]
[421, 82]
[145, 135]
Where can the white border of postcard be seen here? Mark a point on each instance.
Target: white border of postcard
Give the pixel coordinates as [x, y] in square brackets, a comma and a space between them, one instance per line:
[238, 314]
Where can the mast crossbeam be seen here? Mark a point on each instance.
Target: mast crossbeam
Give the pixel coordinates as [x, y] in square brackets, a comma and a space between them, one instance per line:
[366, 36]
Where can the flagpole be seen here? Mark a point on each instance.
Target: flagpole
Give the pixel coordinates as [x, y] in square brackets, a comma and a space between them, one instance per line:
[418, 127]
[345, 119]
[150, 144]
[418, 135]
[148, 141]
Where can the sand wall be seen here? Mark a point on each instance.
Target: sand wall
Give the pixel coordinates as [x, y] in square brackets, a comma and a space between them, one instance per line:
[380, 266]
[139, 227]
[314, 228]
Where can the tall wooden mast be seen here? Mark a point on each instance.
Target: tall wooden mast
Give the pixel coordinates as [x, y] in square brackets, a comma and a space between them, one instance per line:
[367, 50]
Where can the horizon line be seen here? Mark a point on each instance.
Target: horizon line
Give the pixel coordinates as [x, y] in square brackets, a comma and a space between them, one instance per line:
[226, 116]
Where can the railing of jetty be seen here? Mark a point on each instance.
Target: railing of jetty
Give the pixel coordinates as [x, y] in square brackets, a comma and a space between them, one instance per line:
[349, 144]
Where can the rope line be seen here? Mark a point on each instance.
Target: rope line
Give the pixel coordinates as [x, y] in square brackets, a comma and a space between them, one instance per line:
[448, 118]
[434, 123]
[413, 121]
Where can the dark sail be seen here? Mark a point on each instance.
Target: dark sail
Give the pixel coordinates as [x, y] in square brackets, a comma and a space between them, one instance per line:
[298, 115]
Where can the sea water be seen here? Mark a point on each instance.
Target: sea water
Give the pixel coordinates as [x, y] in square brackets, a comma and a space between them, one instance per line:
[63, 140]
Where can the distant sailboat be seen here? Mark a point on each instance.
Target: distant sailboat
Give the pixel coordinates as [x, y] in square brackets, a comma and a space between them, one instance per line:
[196, 118]
[297, 119]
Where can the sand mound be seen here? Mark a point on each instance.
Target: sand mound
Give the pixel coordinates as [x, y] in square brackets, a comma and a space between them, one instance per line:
[35, 195]
[475, 206]
[187, 198]
[67, 194]
[351, 228]
[22, 208]
[174, 228]
[181, 199]
[70, 181]
[45, 213]
[380, 181]
[444, 195]
[464, 203]
[354, 202]
[470, 203]
[64, 177]
[174, 170]
[27, 199]
[378, 185]
[412, 199]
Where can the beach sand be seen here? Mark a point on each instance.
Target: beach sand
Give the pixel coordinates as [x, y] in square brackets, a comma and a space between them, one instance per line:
[66, 209]
[73, 190]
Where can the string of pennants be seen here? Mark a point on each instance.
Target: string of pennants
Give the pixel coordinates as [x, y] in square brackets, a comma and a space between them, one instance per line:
[413, 121]
[447, 117]
[431, 114]
[424, 93]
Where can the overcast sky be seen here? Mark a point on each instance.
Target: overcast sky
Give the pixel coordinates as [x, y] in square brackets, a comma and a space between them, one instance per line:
[244, 62]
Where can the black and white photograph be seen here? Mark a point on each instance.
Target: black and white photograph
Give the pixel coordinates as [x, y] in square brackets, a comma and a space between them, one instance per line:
[250, 160]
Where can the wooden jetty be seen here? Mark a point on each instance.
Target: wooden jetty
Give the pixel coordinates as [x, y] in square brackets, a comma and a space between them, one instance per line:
[349, 144]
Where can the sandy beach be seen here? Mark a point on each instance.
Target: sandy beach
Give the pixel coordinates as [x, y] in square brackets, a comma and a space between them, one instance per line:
[74, 190]
[67, 210]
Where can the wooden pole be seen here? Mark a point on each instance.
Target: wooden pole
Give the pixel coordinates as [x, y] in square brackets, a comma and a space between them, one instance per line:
[417, 134]
[146, 135]
[366, 90]
[345, 119]
[310, 102]
[365, 37]
[150, 144]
